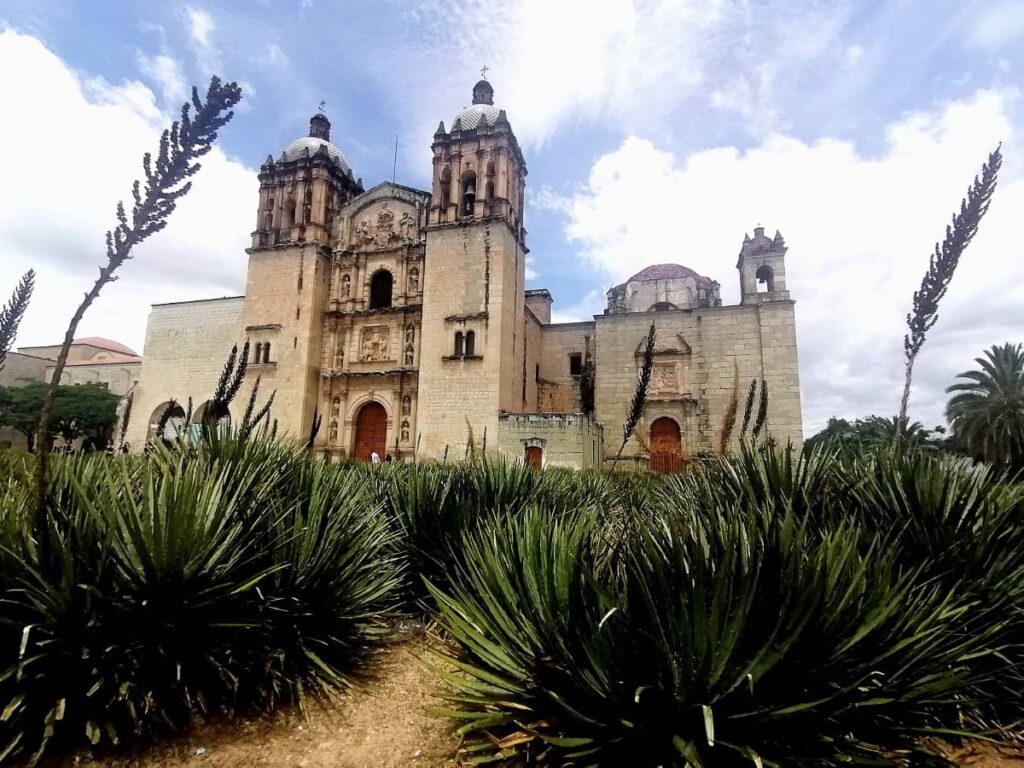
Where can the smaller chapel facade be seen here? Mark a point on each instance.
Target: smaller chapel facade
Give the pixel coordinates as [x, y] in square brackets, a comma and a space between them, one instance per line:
[402, 318]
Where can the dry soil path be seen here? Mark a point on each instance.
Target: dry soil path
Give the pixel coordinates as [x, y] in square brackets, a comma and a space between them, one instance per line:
[384, 724]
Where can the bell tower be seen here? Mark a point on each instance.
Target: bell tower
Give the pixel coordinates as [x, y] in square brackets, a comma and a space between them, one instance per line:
[762, 268]
[289, 269]
[473, 294]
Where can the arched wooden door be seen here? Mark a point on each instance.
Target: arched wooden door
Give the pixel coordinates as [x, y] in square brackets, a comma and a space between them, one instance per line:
[371, 431]
[666, 446]
[534, 457]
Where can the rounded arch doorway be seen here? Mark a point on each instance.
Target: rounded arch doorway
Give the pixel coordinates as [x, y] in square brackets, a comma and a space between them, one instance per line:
[666, 446]
[371, 431]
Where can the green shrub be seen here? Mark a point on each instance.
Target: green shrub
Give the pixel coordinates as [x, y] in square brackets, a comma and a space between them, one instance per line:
[189, 583]
[724, 640]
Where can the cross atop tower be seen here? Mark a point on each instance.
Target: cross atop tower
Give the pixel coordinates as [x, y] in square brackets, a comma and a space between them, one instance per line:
[483, 71]
[322, 107]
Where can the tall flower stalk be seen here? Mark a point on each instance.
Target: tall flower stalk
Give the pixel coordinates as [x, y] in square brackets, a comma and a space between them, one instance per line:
[941, 267]
[167, 180]
[13, 311]
[643, 385]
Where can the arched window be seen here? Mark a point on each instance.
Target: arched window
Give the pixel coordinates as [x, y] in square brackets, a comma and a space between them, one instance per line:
[489, 191]
[289, 215]
[266, 352]
[459, 344]
[765, 279]
[268, 221]
[380, 289]
[470, 342]
[490, 168]
[468, 193]
[446, 188]
[258, 358]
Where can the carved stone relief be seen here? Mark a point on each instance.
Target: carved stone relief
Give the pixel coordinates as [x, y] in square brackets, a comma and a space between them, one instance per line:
[375, 343]
[407, 225]
[385, 226]
[664, 379]
[406, 405]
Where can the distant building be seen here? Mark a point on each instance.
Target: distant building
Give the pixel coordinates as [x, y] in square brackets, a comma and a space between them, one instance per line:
[402, 317]
[91, 360]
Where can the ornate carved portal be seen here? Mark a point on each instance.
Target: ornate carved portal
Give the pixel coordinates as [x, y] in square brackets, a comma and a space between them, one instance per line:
[375, 343]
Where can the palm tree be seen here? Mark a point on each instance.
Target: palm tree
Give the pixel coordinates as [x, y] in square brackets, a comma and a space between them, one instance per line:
[987, 413]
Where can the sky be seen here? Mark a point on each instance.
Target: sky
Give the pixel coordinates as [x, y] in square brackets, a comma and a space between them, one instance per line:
[654, 131]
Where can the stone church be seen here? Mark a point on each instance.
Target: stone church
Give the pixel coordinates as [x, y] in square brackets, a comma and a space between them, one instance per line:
[402, 317]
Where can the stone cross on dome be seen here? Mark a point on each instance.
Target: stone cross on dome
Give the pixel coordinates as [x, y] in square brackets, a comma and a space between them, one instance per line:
[483, 71]
[322, 108]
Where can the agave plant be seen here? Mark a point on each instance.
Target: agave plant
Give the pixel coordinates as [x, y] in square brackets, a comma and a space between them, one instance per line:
[725, 640]
[225, 576]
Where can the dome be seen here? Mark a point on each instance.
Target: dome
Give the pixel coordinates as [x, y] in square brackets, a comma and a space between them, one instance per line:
[108, 344]
[297, 150]
[482, 111]
[668, 272]
[476, 115]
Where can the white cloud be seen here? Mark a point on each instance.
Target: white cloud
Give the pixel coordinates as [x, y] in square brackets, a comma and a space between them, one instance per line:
[997, 24]
[168, 75]
[80, 143]
[276, 56]
[201, 28]
[634, 63]
[860, 230]
[592, 304]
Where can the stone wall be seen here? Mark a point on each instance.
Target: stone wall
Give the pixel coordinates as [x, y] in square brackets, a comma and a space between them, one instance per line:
[560, 390]
[566, 439]
[701, 355]
[186, 346]
[474, 283]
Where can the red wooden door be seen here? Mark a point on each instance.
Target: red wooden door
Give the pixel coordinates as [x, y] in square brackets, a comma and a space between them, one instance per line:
[666, 446]
[534, 456]
[371, 431]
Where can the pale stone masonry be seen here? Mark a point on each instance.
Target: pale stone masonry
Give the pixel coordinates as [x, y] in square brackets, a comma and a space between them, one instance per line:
[402, 318]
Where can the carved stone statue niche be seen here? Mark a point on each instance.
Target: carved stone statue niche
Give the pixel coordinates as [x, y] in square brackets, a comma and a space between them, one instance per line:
[346, 286]
[414, 280]
[406, 405]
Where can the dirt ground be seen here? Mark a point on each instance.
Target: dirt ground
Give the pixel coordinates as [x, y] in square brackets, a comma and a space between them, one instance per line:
[382, 725]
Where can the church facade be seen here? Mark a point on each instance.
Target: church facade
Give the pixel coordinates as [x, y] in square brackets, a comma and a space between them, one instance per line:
[402, 318]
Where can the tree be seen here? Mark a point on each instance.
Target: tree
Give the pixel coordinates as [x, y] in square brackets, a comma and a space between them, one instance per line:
[872, 432]
[941, 267]
[88, 411]
[20, 408]
[987, 411]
